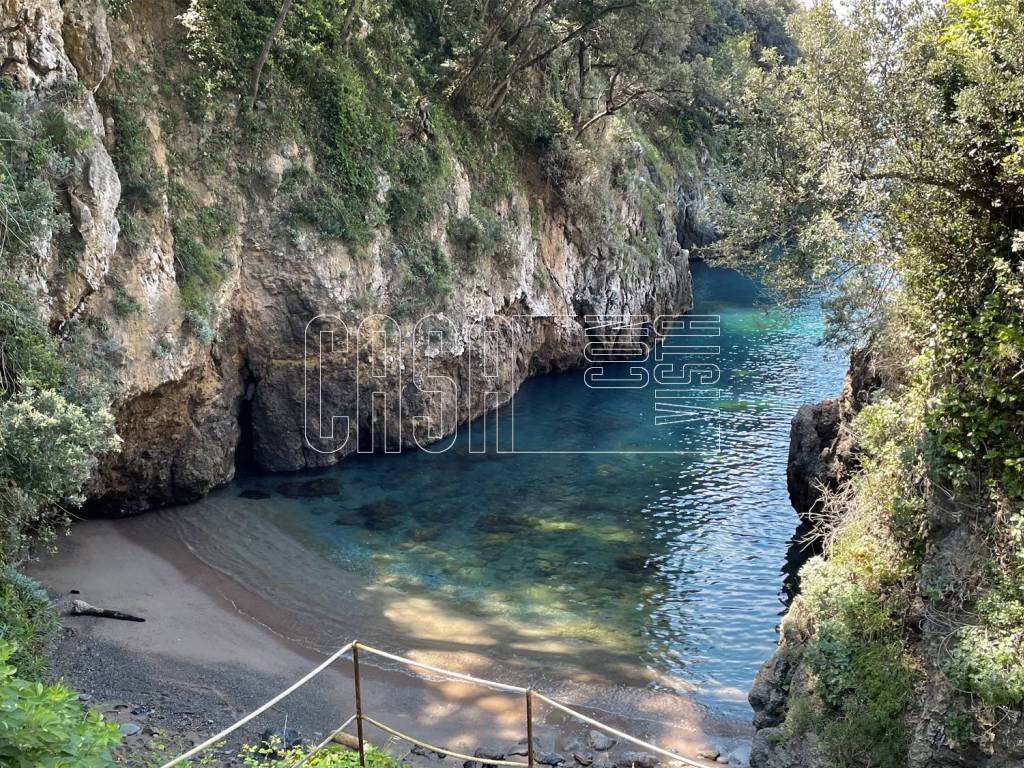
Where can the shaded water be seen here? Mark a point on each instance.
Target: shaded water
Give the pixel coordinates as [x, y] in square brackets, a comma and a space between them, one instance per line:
[673, 562]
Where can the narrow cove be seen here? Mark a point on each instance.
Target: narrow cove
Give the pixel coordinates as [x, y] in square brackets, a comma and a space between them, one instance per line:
[640, 574]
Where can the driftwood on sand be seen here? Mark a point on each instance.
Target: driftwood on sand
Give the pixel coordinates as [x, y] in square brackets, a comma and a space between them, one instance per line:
[82, 608]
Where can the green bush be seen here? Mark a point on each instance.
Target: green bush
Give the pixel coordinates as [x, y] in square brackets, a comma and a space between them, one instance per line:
[28, 623]
[198, 233]
[44, 726]
[141, 180]
[29, 354]
[986, 658]
[863, 672]
[479, 236]
[123, 302]
[430, 269]
[271, 755]
[33, 159]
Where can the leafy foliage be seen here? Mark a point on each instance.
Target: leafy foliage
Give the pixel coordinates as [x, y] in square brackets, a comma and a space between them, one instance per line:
[44, 725]
[49, 435]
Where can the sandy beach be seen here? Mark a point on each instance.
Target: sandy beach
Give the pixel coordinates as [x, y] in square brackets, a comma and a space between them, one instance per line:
[213, 647]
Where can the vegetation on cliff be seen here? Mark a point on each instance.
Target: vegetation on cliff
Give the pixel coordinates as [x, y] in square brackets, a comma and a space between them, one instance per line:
[885, 166]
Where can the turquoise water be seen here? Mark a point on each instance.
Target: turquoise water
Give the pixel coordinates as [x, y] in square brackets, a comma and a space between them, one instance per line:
[673, 560]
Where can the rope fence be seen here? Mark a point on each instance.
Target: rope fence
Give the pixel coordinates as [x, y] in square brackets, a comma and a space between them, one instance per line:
[359, 718]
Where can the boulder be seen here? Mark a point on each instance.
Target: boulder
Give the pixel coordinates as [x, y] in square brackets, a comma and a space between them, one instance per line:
[490, 753]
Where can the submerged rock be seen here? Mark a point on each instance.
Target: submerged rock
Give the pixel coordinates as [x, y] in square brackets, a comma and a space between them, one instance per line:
[501, 523]
[633, 562]
[421, 535]
[253, 495]
[309, 489]
[380, 515]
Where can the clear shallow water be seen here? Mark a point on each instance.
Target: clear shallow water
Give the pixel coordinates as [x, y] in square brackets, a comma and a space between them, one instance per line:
[672, 561]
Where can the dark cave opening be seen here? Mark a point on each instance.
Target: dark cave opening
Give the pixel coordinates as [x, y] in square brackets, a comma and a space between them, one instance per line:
[245, 453]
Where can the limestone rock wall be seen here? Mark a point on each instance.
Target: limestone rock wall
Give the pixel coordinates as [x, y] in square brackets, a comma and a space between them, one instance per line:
[179, 395]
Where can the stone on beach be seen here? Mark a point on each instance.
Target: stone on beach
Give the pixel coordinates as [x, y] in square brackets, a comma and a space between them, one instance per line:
[489, 753]
[602, 742]
[550, 758]
[636, 760]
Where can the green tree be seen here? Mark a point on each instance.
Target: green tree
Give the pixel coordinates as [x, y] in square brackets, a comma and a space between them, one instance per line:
[884, 167]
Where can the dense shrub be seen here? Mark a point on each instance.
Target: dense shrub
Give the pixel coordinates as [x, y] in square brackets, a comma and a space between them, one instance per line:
[986, 657]
[125, 96]
[28, 355]
[28, 623]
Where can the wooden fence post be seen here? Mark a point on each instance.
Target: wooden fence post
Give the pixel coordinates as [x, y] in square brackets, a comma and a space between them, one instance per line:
[529, 726]
[359, 704]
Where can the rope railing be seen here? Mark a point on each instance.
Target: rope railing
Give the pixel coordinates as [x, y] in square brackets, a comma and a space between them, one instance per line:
[260, 710]
[441, 750]
[360, 717]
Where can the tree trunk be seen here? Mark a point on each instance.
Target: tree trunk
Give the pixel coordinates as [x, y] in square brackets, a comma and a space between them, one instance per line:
[265, 52]
[346, 30]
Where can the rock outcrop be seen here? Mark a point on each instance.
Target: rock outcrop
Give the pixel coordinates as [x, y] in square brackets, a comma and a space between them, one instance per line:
[185, 388]
[822, 449]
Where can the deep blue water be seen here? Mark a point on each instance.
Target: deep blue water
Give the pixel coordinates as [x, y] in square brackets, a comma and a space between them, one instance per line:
[673, 559]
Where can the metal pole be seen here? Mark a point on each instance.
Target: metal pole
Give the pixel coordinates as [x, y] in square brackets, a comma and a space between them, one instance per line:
[359, 704]
[529, 726]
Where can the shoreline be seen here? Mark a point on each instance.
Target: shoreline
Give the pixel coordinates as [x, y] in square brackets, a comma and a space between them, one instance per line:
[212, 650]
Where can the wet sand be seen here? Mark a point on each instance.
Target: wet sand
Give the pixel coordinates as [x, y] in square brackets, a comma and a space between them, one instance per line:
[235, 612]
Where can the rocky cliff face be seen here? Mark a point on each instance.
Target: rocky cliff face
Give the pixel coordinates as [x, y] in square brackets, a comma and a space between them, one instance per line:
[185, 387]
